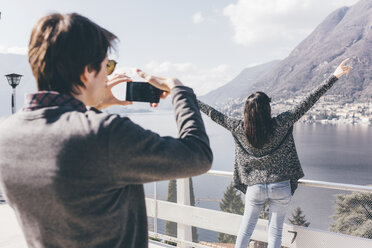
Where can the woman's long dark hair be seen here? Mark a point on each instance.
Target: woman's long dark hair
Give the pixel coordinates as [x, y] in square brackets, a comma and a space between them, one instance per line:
[258, 124]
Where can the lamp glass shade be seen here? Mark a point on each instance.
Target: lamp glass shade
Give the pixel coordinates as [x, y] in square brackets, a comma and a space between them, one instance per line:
[13, 79]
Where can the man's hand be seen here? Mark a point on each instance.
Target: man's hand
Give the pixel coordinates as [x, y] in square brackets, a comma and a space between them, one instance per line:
[110, 99]
[165, 84]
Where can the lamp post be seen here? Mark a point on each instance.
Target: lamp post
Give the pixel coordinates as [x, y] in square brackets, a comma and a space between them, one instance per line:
[13, 80]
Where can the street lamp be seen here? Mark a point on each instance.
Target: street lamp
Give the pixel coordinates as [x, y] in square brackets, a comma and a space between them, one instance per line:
[13, 80]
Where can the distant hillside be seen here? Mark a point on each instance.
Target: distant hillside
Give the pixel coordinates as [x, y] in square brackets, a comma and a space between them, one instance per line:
[347, 32]
[243, 81]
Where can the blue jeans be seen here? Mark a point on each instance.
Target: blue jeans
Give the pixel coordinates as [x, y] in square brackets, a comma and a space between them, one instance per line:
[279, 196]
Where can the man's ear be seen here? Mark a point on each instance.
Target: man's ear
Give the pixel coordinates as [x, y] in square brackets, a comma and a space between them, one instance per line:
[87, 76]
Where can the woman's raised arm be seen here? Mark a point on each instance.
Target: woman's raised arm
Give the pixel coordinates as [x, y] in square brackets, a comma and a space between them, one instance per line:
[218, 117]
[290, 117]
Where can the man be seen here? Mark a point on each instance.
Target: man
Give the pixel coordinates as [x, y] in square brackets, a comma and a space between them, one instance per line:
[73, 174]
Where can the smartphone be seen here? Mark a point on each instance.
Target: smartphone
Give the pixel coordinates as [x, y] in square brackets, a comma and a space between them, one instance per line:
[142, 92]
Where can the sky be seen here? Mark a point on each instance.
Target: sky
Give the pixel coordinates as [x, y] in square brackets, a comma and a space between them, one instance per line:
[204, 43]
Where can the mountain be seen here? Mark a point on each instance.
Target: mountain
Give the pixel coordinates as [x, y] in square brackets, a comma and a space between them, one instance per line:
[345, 33]
[244, 80]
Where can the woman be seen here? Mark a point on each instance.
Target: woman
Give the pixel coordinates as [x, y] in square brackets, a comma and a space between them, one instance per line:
[267, 167]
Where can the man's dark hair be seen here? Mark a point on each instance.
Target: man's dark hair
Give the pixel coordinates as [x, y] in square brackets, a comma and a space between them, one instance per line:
[61, 46]
[258, 124]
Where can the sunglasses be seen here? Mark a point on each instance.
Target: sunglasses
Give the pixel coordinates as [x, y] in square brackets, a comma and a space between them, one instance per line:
[111, 64]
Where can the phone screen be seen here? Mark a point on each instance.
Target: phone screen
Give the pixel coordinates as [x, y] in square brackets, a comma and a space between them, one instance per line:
[142, 92]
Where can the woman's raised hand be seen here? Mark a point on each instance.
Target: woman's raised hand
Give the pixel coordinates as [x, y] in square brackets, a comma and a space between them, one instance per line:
[342, 69]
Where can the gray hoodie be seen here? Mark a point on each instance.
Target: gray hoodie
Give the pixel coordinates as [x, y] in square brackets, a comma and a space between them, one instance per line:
[75, 179]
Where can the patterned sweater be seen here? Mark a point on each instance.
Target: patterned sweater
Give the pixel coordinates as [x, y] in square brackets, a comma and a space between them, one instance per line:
[277, 160]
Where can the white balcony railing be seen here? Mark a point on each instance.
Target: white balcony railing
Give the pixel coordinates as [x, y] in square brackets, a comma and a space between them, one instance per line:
[293, 236]
[187, 216]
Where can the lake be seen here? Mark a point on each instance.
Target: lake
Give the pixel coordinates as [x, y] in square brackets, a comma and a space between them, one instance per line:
[333, 153]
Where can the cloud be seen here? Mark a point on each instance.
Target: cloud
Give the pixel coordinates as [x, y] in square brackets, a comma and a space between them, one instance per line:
[165, 67]
[197, 18]
[281, 22]
[202, 80]
[14, 50]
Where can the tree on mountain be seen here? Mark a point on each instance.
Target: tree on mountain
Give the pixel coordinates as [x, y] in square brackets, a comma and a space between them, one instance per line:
[353, 215]
[171, 227]
[195, 236]
[298, 218]
[231, 203]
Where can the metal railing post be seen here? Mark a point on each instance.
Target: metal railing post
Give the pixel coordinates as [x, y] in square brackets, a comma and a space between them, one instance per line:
[14, 101]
